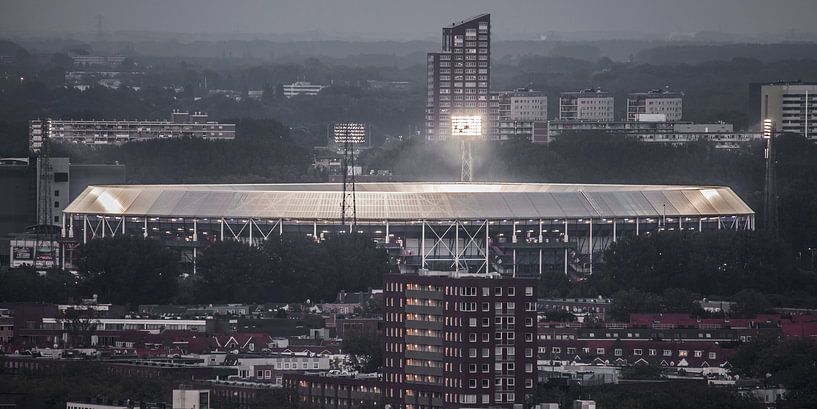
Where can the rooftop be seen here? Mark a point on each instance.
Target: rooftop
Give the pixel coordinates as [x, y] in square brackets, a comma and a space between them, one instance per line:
[411, 202]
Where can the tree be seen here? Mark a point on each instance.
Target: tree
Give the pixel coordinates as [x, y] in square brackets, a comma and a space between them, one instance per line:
[365, 353]
[128, 270]
[231, 271]
[788, 362]
[626, 302]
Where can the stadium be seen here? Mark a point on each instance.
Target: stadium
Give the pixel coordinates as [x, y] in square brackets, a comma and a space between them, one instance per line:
[515, 228]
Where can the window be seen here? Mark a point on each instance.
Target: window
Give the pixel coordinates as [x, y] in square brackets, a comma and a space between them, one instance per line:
[472, 337]
[682, 353]
[498, 291]
[528, 291]
[618, 352]
[486, 306]
[486, 368]
[571, 350]
[486, 291]
[667, 352]
[699, 354]
[511, 291]
[556, 350]
[472, 322]
[712, 355]
[56, 193]
[599, 351]
[528, 383]
[528, 322]
[486, 322]
[472, 383]
[472, 352]
[472, 368]
[637, 352]
[57, 204]
[60, 176]
[653, 352]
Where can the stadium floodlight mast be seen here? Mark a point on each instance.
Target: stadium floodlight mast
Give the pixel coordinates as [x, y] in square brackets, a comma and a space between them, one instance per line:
[466, 128]
[770, 189]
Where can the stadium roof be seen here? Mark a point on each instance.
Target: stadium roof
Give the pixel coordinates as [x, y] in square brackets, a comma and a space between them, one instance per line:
[411, 201]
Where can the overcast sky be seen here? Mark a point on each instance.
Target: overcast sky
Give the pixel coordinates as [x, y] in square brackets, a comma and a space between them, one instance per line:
[407, 19]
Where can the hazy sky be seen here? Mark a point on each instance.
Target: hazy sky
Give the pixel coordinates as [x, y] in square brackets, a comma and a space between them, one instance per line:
[407, 19]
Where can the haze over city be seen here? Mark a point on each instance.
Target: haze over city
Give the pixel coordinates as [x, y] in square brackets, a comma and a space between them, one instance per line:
[410, 20]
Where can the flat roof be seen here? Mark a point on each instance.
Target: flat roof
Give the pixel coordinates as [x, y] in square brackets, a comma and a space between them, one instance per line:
[410, 201]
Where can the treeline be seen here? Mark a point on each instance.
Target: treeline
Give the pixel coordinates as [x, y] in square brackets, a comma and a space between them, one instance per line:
[133, 270]
[670, 271]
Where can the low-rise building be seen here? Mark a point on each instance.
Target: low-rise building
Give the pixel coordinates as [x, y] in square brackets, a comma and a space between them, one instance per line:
[328, 391]
[663, 102]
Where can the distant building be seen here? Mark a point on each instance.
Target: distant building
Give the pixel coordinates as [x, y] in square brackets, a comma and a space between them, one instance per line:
[586, 105]
[456, 339]
[302, 88]
[93, 60]
[792, 106]
[655, 131]
[520, 114]
[183, 124]
[658, 101]
[459, 76]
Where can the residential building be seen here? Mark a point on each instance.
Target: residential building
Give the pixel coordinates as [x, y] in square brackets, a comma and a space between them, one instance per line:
[586, 105]
[664, 102]
[520, 114]
[330, 391]
[459, 77]
[302, 88]
[582, 308]
[790, 105]
[656, 130]
[92, 132]
[458, 339]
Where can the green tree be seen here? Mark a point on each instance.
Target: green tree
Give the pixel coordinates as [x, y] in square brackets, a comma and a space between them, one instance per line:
[128, 270]
[231, 271]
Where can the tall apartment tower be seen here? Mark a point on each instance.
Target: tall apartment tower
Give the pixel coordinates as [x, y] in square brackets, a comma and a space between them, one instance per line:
[458, 339]
[586, 105]
[459, 77]
[660, 102]
[792, 106]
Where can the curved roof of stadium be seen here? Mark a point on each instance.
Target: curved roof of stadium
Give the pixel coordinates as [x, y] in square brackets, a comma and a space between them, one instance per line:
[411, 201]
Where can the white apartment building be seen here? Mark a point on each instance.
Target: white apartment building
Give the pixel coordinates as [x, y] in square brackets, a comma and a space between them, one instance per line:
[791, 106]
[586, 105]
[655, 102]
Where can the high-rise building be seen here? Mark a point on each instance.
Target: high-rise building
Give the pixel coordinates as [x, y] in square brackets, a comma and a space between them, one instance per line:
[457, 339]
[668, 104]
[790, 105]
[459, 77]
[586, 105]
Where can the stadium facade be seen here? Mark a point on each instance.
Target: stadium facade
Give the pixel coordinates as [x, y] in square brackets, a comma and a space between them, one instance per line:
[516, 228]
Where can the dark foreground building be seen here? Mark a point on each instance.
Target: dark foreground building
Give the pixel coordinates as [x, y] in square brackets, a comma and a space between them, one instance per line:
[459, 340]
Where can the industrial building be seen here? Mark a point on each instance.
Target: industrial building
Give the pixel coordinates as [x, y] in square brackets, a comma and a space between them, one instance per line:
[514, 228]
[85, 132]
[458, 340]
[459, 76]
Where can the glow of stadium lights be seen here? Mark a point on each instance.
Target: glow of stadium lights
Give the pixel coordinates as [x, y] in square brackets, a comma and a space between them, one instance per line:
[466, 125]
[768, 128]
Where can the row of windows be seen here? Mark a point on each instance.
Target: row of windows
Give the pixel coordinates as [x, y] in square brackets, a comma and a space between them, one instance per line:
[682, 353]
